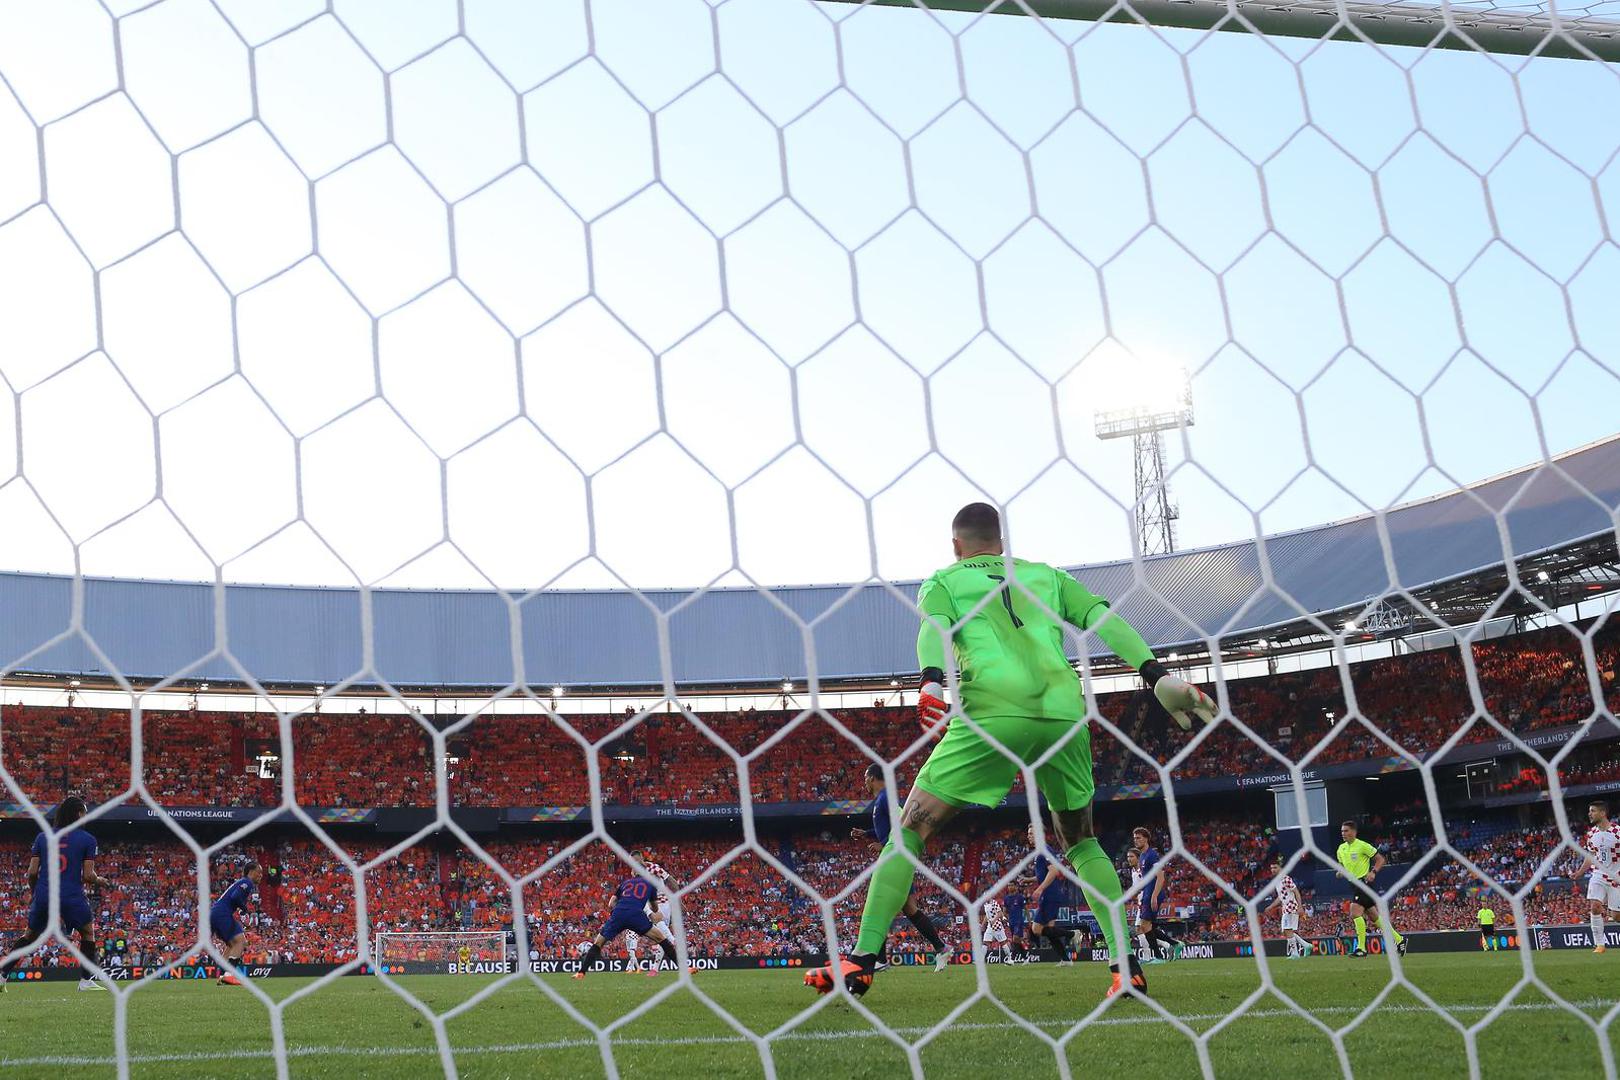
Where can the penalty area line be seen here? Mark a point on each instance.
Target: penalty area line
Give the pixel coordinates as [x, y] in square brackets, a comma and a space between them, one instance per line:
[46, 1060]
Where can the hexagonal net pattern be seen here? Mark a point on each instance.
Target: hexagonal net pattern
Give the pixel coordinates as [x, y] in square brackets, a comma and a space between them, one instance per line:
[354, 290]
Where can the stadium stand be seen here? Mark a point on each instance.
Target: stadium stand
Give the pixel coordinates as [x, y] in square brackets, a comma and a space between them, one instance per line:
[199, 759]
[208, 759]
[745, 908]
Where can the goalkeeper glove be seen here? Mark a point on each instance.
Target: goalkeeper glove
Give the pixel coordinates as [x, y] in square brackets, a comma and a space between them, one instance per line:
[931, 707]
[1181, 699]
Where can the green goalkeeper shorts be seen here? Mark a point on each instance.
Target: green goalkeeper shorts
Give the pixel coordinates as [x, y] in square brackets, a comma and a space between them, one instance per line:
[965, 769]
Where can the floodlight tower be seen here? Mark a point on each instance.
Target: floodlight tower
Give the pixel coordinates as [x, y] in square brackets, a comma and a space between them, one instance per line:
[1145, 424]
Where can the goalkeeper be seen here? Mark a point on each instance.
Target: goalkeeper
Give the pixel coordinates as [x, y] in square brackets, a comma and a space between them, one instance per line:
[1018, 686]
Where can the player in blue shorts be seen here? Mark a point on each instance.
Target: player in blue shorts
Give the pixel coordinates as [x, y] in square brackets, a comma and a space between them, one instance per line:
[76, 868]
[1046, 899]
[878, 835]
[1015, 918]
[629, 912]
[1155, 894]
[1087, 930]
[223, 921]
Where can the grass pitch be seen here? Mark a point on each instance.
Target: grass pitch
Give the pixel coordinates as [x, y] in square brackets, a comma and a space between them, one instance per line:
[357, 1027]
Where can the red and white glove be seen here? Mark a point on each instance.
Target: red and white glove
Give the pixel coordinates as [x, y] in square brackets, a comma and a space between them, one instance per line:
[931, 707]
[1180, 698]
[1183, 701]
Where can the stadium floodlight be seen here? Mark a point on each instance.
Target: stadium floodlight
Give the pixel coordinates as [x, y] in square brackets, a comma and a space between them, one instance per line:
[73, 683]
[1133, 384]
[558, 691]
[1542, 576]
[787, 688]
[1140, 398]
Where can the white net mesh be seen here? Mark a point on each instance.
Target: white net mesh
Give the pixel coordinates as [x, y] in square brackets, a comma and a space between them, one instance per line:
[758, 292]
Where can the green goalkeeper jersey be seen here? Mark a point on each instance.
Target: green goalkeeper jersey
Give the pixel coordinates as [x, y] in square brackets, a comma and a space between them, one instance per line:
[1010, 652]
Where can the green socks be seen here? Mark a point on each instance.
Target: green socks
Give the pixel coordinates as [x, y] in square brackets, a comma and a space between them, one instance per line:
[1100, 881]
[1361, 933]
[891, 884]
[886, 895]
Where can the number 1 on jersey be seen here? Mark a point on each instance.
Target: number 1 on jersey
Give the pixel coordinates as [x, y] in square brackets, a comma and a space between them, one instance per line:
[1006, 600]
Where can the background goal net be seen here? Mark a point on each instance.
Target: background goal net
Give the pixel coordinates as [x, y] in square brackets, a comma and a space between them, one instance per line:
[465, 952]
[546, 351]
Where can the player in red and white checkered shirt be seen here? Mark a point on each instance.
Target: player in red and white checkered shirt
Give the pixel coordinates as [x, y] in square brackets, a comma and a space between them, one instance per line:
[1601, 847]
[1292, 907]
[995, 928]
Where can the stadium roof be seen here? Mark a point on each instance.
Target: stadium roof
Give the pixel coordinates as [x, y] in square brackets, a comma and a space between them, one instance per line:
[1451, 552]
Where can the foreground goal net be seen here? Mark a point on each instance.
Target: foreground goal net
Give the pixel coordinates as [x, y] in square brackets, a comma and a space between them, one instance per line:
[681, 301]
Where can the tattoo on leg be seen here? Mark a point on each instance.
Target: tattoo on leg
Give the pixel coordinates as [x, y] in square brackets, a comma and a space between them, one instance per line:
[918, 818]
[1073, 826]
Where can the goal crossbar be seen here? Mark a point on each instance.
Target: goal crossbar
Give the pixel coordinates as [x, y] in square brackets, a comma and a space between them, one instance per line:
[1484, 27]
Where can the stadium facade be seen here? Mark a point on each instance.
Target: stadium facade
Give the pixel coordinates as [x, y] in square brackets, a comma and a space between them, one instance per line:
[1449, 559]
[1532, 541]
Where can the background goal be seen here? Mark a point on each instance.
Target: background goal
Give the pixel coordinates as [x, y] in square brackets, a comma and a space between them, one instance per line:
[465, 951]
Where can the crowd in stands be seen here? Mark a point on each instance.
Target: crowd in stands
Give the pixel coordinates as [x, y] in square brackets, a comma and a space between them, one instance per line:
[1511, 851]
[1589, 763]
[743, 904]
[1415, 702]
[738, 902]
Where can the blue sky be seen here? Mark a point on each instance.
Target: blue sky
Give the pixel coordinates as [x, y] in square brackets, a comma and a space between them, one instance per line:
[703, 286]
